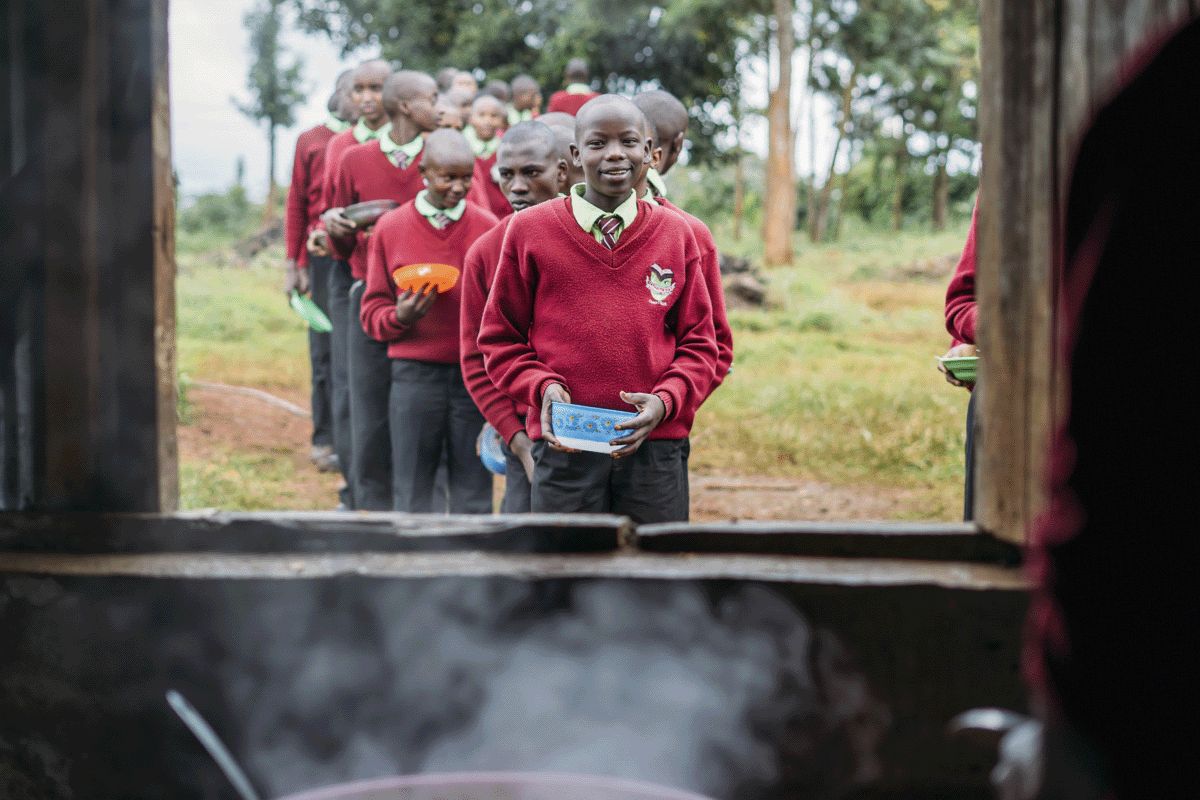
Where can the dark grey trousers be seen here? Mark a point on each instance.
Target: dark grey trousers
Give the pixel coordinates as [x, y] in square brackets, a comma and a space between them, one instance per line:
[370, 385]
[432, 413]
[340, 280]
[517, 488]
[649, 486]
[969, 487]
[319, 348]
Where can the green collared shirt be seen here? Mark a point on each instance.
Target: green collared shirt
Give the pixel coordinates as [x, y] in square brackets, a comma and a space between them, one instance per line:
[578, 88]
[336, 125]
[426, 210]
[482, 149]
[515, 116]
[364, 134]
[588, 215]
[657, 185]
[410, 150]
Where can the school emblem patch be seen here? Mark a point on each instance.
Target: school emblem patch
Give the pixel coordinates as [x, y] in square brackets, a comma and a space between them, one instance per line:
[661, 283]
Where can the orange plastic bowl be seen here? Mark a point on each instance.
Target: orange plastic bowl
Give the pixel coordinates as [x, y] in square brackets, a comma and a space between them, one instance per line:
[414, 276]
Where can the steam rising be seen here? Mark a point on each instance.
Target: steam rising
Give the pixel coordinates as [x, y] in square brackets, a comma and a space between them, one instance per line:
[729, 695]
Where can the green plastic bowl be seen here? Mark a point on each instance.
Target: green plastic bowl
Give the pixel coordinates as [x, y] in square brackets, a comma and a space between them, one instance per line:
[964, 369]
[304, 306]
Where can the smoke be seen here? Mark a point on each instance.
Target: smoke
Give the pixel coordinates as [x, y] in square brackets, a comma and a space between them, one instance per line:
[726, 691]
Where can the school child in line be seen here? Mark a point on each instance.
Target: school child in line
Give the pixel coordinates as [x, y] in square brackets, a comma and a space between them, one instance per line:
[462, 98]
[670, 120]
[483, 134]
[499, 90]
[310, 271]
[429, 407]
[531, 167]
[526, 100]
[466, 81]
[710, 258]
[386, 169]
[599, 299]
[366, 83]
[448, 114]
[445, 78]
[578, 91]
[563, 126]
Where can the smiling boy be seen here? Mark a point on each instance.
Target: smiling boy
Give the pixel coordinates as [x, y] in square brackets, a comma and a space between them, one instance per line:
[599, 299]
[531, 169]
[483, 133]
[429, 405]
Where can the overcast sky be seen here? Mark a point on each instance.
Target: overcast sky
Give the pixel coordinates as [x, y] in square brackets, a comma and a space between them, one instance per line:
[210, 59]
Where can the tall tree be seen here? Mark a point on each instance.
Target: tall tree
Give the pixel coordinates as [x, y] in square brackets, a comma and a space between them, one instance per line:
[275, 90]
[779, 212]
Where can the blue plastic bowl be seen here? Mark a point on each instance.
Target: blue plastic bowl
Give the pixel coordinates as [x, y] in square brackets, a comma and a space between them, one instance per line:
[489, 451]
[587, 427]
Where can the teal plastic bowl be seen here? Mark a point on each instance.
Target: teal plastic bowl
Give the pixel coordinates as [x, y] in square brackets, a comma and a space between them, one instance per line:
[587, 427]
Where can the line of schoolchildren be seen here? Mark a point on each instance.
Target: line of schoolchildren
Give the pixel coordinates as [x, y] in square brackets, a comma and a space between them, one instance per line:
[597, 290]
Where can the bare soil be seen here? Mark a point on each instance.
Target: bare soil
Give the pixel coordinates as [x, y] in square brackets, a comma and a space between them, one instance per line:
[224, 426]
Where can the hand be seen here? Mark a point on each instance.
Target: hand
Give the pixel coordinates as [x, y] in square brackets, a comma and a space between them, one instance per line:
[958, 351]
[338, 224]
[650, 412]
[522, 447]
[555, 393]
[412, 306]
[297, 279]
[318, 242]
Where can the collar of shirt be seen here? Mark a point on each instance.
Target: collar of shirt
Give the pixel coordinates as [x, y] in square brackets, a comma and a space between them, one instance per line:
[657, 184]
[336, 125]
[515, 116]
[482, 149]
[411, 150]
[587, 215]
[364, 134]
[426, 209]
[578, 88]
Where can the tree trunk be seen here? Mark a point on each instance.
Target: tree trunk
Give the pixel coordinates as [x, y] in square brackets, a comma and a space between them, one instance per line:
[816, 228]
[812, 129]
[941, 195]
[739, 196]
[272, 189]
[779, 212]
[898, 191]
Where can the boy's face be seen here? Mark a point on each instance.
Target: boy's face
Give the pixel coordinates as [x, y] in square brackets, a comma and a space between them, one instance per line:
[449, 116]
[524, 101]
[367, 93]
[447, 182]
[612, 150]
[530, 173]
[486, 119]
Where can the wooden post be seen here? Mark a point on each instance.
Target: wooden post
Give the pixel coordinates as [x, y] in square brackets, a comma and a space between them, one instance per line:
[1046, 67]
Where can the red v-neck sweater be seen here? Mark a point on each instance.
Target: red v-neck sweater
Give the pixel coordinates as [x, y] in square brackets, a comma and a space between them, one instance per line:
[333, 154]
[710, 264]
[489, 194]
[566, 309]
[479, 269]
[403, 237]
[305, 189]
[366, 173]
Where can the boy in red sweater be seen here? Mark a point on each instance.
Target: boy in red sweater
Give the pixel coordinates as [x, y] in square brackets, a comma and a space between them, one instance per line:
[429, 405]
[366, 86]
[386, 169]
[526, 99]
[578, 91]
[599, 298]
[483, 133]
[657, 108]
[307, 270]
[531, 168]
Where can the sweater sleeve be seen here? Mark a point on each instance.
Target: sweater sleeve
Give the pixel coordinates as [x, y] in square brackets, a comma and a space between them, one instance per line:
[511, 361]
[710, 266]
[690, 377]
[297, 204]
[378, 311]
[961, 309]
[496, 407]
[341, 194]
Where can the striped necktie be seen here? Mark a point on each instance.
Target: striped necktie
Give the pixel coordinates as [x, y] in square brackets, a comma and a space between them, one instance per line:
[401, 159]
[609, 226]
[441, 220]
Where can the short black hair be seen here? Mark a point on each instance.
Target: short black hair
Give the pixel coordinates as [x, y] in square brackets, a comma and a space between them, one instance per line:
[525, 83]
[664, 110]
[577, 71]
[532, 131]
[499, 90]
[445, 77]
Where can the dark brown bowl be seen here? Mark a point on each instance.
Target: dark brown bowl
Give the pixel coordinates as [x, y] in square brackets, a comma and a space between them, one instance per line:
[369, 212]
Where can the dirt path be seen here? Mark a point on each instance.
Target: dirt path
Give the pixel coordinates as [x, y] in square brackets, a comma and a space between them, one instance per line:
[244, 431]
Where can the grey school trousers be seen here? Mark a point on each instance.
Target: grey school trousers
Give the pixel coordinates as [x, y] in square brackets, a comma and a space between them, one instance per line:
[649, 486]
[432, 414]
[370, 383]
[319, 348]
[517, 488]
[339, 281]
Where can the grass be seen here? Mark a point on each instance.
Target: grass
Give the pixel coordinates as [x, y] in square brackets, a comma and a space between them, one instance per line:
[835, 382]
